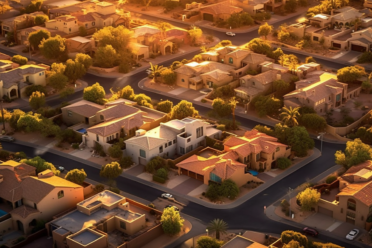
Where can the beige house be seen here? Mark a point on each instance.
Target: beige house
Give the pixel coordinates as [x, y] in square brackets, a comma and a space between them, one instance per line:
[6, 65]
[242, 242]
[15, 81]
[321, 91]
[367, 4]
[67, 24]
[79, 44]
[19, 22]
[349, 196]
[75, 9]
[251, 6]
[257, 151]
[103, 220]
[218, 11]
[274, 5]
[34, 198]
[22, 35]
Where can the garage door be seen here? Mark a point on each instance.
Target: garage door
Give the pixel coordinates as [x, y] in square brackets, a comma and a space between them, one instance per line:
[200, 177]
[357, 48]
[337, 45]
[325, 211]
[208, 17]
[142, 161]
[184, 172]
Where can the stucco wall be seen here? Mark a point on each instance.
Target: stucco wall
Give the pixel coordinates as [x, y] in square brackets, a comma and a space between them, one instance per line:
[6, 226]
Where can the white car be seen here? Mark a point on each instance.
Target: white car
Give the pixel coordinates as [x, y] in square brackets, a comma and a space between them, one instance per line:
[166, 196]
[230, 33]
[352, 234]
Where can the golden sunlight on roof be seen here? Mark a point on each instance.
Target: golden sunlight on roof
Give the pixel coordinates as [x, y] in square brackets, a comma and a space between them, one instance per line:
[10, 163]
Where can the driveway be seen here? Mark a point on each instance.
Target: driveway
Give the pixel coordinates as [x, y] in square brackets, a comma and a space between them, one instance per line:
[345, 228]
[350, 56]
[187, 186]
[319, 221]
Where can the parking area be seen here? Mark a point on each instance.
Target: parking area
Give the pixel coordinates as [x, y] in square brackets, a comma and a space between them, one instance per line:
[187, 186]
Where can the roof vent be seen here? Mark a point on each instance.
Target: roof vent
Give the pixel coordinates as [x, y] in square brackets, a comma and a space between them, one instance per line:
[140, 132]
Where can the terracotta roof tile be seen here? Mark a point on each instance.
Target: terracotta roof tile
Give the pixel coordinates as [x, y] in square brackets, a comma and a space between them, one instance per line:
[117, 111]
[24, 211]
[84, 108]
[222, 8]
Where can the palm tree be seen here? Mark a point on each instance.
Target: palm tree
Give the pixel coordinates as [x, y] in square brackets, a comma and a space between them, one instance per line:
[217, 226]
[357, 23]
[290, 116]
[155, 70]
[233, 103]
[163, 26]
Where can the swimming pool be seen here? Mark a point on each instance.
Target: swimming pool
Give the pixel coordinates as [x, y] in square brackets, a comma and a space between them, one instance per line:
[2, 213]
[254, 173]
[82, 130]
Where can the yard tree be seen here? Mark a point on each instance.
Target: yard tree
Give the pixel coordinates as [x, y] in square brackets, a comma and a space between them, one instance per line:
[280, 86]
[299, 139]
[57, 81]
[218, 227]
[126, 93]
[171, 221]
[237, 20]
[115, 151]
[290, 116]
[154, 164]
[289, 60]
[155, 71]
[182, 110]
[19, 59]
[356, 152]
[350, 74]
[111, 171]
[310, 59]
[35, 38]
[233, 102]
[4, 7]
[37, 100]
[142, 99]
[163, 26]
[264, 129]
[74, 70]
[76, 176]
[117, 37]
[41, 165]
[53, 47]
[57, 68]
[258, 45]
[293, 244]
[221, 107]
[29, 122]
[106, 57]
[276, 54]
[126, 162]
[95, 93]
[314, 122]
[229, 189]
[265, 30]
[308, 198]
[165, 106]
[84, 59]
[266, 105]
[208, 242]
[290, 6]
[41, 19]
[195, 34]
[288, 236]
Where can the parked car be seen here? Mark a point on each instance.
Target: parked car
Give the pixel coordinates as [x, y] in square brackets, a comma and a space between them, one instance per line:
[166, 196]
[205, 91]
[61, 168]
[352, 234]
[172, 206]
[7, 138]
[230, 33]
[310, 231]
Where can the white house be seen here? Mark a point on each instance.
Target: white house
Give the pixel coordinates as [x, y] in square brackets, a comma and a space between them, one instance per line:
[175, 137]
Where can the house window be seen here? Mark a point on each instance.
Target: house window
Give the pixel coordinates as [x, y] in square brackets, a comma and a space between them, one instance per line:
[101, 117]
[315, 38]
[199, 132]
[222, 60]
[165, 145]
[174, 141]
[277, 149]
[169, 143]
[351, 204]
[142, 153]
[97, 137]
[160, 149]
[69, 113]
[253, 83]
[214, 177]
[182, 150]
[210, 84]
[258, 156]
[231, 61]
[60, 194]
[86, 25]
[246, 159]
[189, 148]
[183, 80]
[188, 140]
[69, 29]
[123, 225]
[350, 215]
[338, 98]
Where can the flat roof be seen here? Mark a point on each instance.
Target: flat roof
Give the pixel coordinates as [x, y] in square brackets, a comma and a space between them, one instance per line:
[62, 3]
[106, 197]
[241, 242]
[177, 124]
[86, 237]
[61, 231]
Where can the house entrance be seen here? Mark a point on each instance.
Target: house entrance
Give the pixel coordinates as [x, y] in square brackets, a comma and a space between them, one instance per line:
[208, 17]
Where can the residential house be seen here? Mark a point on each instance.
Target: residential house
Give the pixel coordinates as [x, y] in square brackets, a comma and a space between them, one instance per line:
[242, 242]
[22, 35]
[216, 168]
[251, 6]
[80, 8]
[18, 22]
[34, 198]
[258, 151]
[82, 111]
[67, 24]
[367, 4]
[6, 65]
[321, 91]
[360, 41]
[349, 196]
[218, 11]
[14, 82]
[274, 5]
[304, 69]
[190, 75]
[170, 139]
[105, 220]
[79, 44]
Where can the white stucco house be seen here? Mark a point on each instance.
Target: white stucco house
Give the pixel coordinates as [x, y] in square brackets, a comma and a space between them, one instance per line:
[170, 139]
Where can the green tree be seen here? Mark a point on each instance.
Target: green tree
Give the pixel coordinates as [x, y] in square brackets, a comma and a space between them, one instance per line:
[95, 93]
[41, 165]
[290, 116]
[277, 53]
[84, 59]
[41, 19]
[266, 105]
[74, 70]
[195, 34]
[237, 20]
[168, 76]
[293, 244]
[126, 162]
[356, 152]
[106, 57]
[221, 107]
[218, 227]
[35, 38]
[258, 45]
[53, 47]
[171, 221]
[76, 176]
[182, 110]
[280, 86]
[313, 122]
[290, 6]
[233, 102]
[350, 74]
[298, 138]
[58, 68]
[165, 106]
[288, 236]
[155, 71]
[265, 30]
[142, 100]
[117, 37]
[111, 171]
[154, 164]
[126, 93]
[29, 122]
[208, 242]
[83, 31]
[37, 100]
[115, 151]
[58, 81]
[308, 198]
[66, 92]
[229, 189]
[19, 59]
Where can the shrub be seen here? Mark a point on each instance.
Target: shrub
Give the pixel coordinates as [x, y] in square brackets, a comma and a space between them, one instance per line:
[20, 155]
[330, 179]
[283, 163]
[33, 88]
[366, 57]
[152, 205]
[75, 146]
[229, 189]
[288, 236]
[155, 164]
[4, 155]
[99, 188]
[221, 127]
[213, 192]
[158, 179]
[115, 151]
[126, 162]
[115, 190]
[19, 59]
[203, 100]
[162, 172]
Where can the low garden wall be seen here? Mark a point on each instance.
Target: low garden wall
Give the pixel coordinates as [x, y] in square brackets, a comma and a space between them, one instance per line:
[6, 225]
[342, 131]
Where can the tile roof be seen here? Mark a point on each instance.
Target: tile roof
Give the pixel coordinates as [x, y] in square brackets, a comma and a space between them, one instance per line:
[217, 74]
[86, 18]
[264, 78]
[84, 108]
[11, 189]
[238, 53]
[221, 8]
[144, 30]
[347, 15]
[24, 211]
[117, 111]
[255, 58]
[367, 32]
[195, 68]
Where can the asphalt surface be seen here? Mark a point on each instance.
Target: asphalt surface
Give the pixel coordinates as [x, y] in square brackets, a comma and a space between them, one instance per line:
[250, 214]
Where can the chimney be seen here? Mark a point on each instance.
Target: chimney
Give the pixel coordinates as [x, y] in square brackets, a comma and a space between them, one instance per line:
[45, 174]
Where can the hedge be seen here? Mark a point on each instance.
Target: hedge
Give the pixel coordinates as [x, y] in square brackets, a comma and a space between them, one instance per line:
[283, 163]
[330, 179]
[155, 178]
